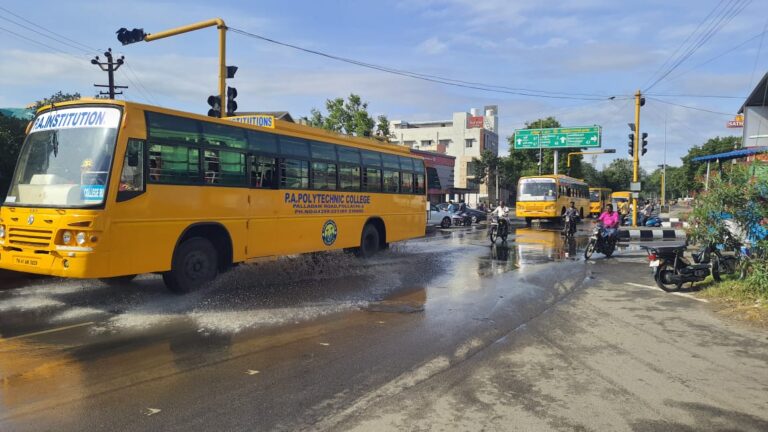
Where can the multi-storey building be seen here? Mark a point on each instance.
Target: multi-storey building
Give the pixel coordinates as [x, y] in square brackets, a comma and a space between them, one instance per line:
[464, 137]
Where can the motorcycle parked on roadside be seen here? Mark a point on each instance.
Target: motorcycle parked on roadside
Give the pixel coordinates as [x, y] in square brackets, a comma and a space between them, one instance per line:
[498, 228]
[600, 243]
[720, 264]
[671, 269]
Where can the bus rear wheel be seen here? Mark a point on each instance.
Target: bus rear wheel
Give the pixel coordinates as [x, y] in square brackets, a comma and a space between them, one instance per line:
[369, 242]
[194, 264]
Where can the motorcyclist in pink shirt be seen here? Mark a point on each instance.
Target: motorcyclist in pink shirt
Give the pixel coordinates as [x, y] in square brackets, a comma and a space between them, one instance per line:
[610, 220]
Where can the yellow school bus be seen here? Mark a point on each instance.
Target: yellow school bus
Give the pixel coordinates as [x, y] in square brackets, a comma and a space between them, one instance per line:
[621, 201]
[598, 198]
[547, 196]
[112, 189]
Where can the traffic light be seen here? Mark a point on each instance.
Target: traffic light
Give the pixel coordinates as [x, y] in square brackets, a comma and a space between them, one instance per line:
[126, 36]
[215, 103]
[644, 143]
[631, 144]
[231, 104]
[231, 70]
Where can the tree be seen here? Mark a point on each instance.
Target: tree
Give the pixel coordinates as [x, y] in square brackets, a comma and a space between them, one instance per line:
[56, 98]
[591, 175]
[382, 127]
[618, 174]
[695, 171]
[349, 117]
[11, 137]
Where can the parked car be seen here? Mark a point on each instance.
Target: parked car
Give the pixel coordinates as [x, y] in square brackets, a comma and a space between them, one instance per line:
[475, 215]
[439, 217]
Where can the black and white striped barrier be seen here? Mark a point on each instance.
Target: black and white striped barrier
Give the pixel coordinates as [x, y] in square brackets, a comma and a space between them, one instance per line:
[647, 234]
[673, 223]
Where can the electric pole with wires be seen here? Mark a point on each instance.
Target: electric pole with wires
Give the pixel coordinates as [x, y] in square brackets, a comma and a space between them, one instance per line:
[110, 66]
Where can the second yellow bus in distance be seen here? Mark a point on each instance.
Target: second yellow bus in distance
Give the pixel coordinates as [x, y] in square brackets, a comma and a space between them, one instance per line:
[547, 197]
[111, 189]
[598, 198]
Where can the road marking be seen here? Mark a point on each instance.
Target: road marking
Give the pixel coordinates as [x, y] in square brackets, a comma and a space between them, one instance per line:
[679, 294]
[380, 322]
[251, 372]
[58, 329]
[151, 411]
[325, 344]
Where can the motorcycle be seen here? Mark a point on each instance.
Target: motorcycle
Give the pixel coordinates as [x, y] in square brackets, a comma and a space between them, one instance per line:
[720, 264]
[671, 269]
[461, 219]
[600, 243]
[569, 226]
[499, 228]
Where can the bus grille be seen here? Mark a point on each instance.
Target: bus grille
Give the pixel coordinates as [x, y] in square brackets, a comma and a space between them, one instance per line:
[29, 237]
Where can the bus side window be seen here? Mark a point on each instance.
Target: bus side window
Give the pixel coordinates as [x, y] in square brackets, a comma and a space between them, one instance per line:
[263, 172]
[132, 176]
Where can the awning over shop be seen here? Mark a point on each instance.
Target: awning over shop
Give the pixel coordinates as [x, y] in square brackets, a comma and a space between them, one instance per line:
[735, 154]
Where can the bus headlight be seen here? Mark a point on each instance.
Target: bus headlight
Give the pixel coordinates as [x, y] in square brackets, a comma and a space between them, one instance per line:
[2, 231]
[80, 238]
[66, 237]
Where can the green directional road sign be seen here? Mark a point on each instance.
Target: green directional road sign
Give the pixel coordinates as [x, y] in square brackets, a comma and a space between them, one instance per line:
[554, 138]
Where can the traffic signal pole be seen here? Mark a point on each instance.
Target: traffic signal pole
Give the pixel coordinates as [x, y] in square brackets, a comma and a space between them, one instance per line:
[222, 27]
[636, 154]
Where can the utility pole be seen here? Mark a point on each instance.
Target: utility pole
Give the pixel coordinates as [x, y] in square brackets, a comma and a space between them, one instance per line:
[639, 101]
[109, 67]
[664, 169]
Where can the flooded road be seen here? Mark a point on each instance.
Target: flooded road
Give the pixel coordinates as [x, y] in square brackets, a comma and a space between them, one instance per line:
[276, 344]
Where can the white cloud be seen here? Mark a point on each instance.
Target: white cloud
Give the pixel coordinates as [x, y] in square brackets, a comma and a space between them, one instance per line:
[432, 46]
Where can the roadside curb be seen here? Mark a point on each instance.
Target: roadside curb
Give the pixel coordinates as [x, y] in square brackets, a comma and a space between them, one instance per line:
[648, 234]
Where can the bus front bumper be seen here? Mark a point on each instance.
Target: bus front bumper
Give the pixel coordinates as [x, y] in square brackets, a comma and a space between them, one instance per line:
[536, 210]
[71, 263]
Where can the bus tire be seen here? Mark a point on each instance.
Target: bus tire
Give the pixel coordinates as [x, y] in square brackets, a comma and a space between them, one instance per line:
[194, 264]
[528, 222]
[369, 242]
[118, 280]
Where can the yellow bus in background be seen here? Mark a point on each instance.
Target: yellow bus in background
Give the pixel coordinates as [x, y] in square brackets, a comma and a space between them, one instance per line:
[598, 198]
[547, 197]
[621, 201]
[111, 189]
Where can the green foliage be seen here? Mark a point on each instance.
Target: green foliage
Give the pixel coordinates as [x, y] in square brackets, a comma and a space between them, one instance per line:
[618, 174]
[348, 117]
[56, 98]
[11, 137]
[382, 127]
[690, 180]
[740, 197]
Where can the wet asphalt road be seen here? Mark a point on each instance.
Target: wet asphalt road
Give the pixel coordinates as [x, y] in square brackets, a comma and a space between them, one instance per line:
[313, 342]
[275, 345]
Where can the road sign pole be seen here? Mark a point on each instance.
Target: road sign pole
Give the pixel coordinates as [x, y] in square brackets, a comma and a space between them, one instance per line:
[555, 169]
[636, 155]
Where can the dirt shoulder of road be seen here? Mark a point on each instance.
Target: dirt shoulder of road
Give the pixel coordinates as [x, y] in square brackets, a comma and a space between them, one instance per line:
[734, 301]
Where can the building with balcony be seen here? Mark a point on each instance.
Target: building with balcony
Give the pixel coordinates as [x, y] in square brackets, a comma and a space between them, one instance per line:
[465, 136]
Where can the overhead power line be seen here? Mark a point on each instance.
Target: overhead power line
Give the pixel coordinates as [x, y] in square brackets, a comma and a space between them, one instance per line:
[88, 48]
[691, 108]
[731, 10]
[721, 54]
[439, 79]
[694, 96]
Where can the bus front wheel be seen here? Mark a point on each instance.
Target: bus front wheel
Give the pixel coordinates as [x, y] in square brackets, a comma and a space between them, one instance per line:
[369, 242]
[528, 222]
[195, 263]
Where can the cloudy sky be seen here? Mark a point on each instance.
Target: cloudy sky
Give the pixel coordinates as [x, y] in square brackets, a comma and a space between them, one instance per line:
[580, 53]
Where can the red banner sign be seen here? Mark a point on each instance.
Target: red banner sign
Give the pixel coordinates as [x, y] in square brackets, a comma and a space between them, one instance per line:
[474, 122]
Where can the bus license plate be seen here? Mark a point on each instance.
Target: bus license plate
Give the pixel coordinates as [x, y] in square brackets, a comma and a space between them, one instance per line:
[654, 263]
[26, 261]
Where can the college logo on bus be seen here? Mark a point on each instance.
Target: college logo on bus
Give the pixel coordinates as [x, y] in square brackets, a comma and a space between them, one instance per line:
[330, 231]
